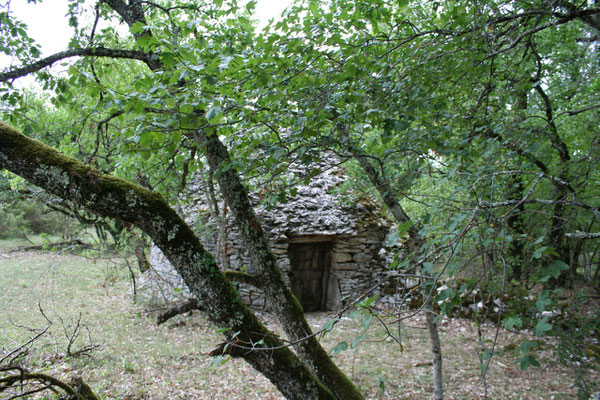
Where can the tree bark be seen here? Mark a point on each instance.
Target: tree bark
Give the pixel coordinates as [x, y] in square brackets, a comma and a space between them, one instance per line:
[558, 227]
[85, 52]
[516, 224]
[110, 196]
[278, 294]
[436, 346]
[390, 198]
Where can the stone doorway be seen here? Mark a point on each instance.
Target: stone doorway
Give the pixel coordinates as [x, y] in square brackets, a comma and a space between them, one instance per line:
[309, 274]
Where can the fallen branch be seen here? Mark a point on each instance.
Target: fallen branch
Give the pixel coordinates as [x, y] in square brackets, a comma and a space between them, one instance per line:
[24, 348]
[52, 246]
[72, 337]
[15, 376]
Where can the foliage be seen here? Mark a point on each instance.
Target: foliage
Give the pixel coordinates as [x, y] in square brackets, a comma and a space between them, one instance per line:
[577, 346]
[479, 119]
[28, 216]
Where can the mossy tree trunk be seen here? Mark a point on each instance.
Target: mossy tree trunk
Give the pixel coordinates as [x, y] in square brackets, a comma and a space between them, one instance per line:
[113, 197]
[278, 294]
[198, 269]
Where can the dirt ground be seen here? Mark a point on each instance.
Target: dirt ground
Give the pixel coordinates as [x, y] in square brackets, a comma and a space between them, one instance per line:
[133, 358]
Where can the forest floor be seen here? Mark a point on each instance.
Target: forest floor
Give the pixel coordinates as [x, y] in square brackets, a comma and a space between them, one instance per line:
[130, 357]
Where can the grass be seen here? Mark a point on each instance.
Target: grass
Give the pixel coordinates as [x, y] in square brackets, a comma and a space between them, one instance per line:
[135, 359]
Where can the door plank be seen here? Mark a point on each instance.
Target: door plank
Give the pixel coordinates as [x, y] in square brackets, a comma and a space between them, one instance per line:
[309, 273]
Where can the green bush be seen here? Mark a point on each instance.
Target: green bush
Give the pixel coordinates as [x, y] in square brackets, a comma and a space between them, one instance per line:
[29, 216]
[10, 224]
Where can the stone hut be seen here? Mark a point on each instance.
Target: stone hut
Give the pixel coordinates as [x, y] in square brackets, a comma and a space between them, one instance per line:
[330, 249]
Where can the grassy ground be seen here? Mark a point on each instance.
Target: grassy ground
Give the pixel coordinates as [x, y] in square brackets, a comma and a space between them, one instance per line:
[135, 359]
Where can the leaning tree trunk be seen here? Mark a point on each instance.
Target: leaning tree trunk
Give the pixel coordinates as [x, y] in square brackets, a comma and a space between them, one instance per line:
[197, 268]
[516, 224]
[562, 190]
[278, 294]
[113, 197]
[390, 198]
[436, 346]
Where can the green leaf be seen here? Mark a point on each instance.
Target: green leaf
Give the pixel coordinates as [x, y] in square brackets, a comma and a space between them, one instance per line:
[223, 330]
[186, 109]
[339, 348]
[542, 301]
[544, 278]
[280, 153]
[528, 361]
[35, 52]
[356, 341]
[556, 267]
[391, 125]
[542, 327]
[404, 227]
[427, 267]
[366, 322]
[539, 240]
[367, 302]
[512, 322]
[167, 58]
[539, 252]
[394, 263]
[219, 360]
[137, 27]
[251, 5]
[214, 114]
[392, 238]
[526, 347]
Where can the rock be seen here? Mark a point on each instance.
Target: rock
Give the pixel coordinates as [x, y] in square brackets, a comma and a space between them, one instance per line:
[362, 257]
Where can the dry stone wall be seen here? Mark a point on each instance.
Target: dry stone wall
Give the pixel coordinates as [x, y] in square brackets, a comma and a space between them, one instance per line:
[356, 233]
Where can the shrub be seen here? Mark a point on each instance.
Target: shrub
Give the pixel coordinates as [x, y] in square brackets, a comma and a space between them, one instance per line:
[29, 216]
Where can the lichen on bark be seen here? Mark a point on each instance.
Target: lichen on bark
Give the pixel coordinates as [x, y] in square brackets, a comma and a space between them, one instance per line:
[110, 196]
[280, 297]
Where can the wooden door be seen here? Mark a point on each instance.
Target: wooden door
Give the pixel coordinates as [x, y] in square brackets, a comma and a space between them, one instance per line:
[310, 273]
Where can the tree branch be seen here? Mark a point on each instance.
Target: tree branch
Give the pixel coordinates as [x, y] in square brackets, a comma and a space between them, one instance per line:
[21, 374]
[180, 308]
[81, 52]
[117, 198]
[574, 203]
[242, 277]
[583, 235]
